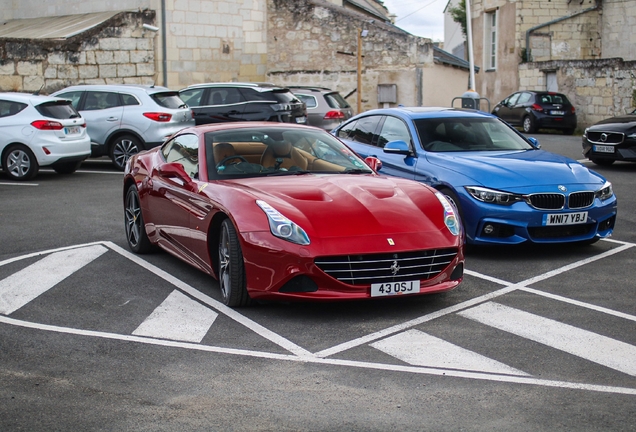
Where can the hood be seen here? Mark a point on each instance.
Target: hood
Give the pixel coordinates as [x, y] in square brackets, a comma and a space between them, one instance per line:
[619, 124]
[519, 171]
[349, 205]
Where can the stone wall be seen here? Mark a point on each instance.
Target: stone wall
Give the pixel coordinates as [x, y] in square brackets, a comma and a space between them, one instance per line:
[118, 51]
[598, 89]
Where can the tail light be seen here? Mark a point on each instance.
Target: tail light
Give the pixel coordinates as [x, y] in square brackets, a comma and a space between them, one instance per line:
[573, 109]
[47, 125]
[158, 117]
[537, 107]
[334, 115]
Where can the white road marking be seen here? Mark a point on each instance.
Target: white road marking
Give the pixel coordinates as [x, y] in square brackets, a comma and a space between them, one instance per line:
[421, 349]
[22, 287]
[581, 343]
[333, 362]
[18, 184]
[178, 318]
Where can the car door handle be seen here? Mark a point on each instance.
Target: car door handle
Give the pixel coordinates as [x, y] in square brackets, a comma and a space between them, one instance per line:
[112, 119]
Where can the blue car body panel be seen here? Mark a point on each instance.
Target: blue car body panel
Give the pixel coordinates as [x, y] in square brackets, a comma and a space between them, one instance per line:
[522, 172]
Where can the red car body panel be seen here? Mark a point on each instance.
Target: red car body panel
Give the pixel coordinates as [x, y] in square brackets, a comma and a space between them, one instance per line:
[342, 214]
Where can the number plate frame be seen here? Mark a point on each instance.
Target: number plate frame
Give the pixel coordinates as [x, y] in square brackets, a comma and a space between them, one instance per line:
[556, 112]
[72, 130]
[552, 219]
[603, 149]
[385, 289]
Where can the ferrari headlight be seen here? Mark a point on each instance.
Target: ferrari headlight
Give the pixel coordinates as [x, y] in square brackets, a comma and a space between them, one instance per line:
[282, 227]
[605, 192]
[450, 218]
[492, 196]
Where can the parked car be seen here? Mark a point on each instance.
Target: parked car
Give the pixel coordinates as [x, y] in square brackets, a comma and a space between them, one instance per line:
[611, 139]
[225, 102]
[281, 211]
[534, 110]
[326, 108]
[38, 131]
[506, 188]
[124, 119]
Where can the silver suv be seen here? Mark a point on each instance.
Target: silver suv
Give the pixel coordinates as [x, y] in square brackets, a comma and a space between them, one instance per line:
[125, 119]
[326, 108]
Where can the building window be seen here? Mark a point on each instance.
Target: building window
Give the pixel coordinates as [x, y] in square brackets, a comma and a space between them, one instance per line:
[491, 39]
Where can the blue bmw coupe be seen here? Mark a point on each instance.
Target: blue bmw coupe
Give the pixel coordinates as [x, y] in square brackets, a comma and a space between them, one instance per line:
[505, 187]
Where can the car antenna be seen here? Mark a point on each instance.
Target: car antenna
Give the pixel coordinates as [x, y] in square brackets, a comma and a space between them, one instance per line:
[37, 92]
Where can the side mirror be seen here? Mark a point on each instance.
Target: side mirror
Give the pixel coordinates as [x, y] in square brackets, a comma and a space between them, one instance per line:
[174, 170]
[397, 147]
[534, 142]
[374, 163]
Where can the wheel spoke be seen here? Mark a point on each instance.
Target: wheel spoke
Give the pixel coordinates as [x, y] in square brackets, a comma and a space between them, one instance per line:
[224, 264]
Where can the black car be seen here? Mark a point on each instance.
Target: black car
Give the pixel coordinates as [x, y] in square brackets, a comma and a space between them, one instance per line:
[611, 139]
[224, 102]
[534, 110]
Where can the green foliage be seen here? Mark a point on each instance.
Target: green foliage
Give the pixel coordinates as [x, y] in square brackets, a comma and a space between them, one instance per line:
[459, 15]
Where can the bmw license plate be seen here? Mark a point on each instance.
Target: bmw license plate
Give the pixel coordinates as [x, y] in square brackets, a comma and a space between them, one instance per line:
[395, 288]
[72, 130]
[557, 112]
[565, 218]
[603, 149]
[302, 119]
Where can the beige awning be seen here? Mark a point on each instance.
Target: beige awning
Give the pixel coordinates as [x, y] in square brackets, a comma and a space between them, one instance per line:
[57, 27]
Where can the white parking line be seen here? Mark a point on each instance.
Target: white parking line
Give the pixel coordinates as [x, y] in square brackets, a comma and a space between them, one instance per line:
[178, 318]
[27, 284]
[421, 349]
[18, 184]
[581, 343]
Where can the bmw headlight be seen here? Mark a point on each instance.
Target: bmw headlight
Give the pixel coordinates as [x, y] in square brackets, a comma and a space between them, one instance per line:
[282, 227]
[492, 196]
[450, 218]
[605, 192]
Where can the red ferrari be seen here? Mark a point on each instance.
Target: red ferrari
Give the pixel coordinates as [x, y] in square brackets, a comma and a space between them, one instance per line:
[280, 211]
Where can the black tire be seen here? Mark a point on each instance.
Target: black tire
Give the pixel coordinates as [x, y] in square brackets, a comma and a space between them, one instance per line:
[19, 162]
[231, 271]
[603, 162]
[66, 167]
[136, 235]
[528, 124]
[122, 149]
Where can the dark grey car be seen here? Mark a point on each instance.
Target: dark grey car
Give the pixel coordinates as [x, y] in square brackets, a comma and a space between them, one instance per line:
[326, 108]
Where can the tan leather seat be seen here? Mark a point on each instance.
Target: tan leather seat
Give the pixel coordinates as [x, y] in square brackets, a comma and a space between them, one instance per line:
[283, 155]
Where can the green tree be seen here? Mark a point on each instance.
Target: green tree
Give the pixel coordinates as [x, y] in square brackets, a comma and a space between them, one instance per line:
[459, 15]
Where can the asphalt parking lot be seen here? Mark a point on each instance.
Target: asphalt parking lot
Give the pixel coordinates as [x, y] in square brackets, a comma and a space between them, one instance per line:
[93, 337]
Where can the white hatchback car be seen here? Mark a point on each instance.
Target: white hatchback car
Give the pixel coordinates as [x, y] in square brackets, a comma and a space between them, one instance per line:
[123, 119]
[40, 131]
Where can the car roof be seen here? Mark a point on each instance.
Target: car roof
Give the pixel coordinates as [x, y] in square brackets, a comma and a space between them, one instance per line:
[429, 112]
[27, 97]
[254, 85]
[212, 127]
[312, 89]
[133, 88]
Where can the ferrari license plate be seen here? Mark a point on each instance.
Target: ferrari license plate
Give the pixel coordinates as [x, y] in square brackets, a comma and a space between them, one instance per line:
[565, 218]
[394, 288]
[603, 149]
[553, 112]
[72, 130]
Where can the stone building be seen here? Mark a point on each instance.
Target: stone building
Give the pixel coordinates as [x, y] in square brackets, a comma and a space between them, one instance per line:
[585, 49]
[181, 42]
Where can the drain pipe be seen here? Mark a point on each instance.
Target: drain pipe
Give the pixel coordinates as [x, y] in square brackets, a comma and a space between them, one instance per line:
[554, 21]
[164, 49]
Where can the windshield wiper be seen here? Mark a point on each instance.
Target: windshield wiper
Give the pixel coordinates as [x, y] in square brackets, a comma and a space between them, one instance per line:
[357, 171]
[295, 172]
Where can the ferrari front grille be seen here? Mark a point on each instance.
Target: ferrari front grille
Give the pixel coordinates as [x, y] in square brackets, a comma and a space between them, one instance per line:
[388, 267]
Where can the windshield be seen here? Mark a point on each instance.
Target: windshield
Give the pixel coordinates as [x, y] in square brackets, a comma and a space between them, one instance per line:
[256, 152]
[468, 134]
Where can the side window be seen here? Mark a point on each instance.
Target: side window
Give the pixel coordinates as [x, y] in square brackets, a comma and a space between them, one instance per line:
[184, 149]
[365, 129]
[525, 97]
[393, 129]
[192, 97]
[9, 108]
[310, 101]
[346, 130]
[513, 99]
[225, 96]
[97, 100]
[129, 99]
[73, 96]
